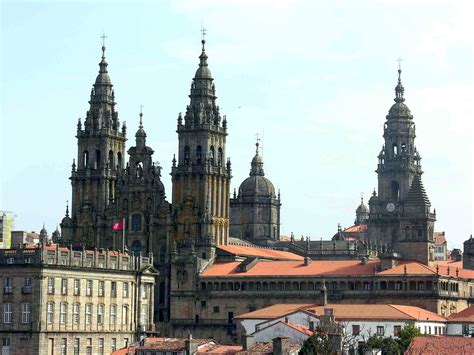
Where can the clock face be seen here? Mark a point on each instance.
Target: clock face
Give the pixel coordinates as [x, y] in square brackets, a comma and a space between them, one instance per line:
[390, 207]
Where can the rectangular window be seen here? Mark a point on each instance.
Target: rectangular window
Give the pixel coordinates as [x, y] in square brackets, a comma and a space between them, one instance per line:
[144, 315]
[89, 346]
[101, 346]
[77, 346]
[77, 287]
[113, 344]
[125, 315]
[7, 313]
[28, 281]
[113, 289]
[398, 285]
[355, 329]
[89, 288]
[50, 313]
[216, 309]
[100, 314]
[125, 289]
[25, 313]
[203, 303]
[63, 346]
[113, 314]
[63, 313]
[51, 285]
[88, 313]
[63, 286]
[101, 288]
[8, 285]
[380, 330]
[76, 308]
[396, 329]
[125, 342]
[144, 291]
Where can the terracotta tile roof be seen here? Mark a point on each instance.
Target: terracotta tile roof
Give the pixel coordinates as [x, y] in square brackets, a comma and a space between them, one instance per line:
[219, 349]
[416, 268]
[266, 349]
[275, 311]
[294, 268]
[378, 311]
[361, 228]
[441, 344]
[439, 238]
[466, 315]
[260, 252]
[298, 327]
[348, 311]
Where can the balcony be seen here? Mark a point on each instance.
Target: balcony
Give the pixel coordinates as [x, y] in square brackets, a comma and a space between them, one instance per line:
[7, 290]
[26, 289]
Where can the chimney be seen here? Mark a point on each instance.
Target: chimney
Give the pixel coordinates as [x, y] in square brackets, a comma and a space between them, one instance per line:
[248, 341]
[307, 261]
[191, 345]
[281, 346]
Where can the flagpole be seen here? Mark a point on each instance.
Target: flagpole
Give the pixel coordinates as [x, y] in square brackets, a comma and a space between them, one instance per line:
[123, 235]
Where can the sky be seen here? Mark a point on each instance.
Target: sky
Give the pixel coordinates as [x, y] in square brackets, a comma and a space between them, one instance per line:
[314, 78]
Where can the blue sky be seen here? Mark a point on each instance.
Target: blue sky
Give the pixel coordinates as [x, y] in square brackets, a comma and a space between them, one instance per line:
[316, 78]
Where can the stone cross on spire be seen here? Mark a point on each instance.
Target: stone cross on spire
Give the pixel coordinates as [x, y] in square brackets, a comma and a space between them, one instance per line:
[103, 44]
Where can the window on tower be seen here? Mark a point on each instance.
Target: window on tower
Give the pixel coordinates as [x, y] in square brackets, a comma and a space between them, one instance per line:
[86, 159]
[395, 190]
[97, 159]
[139, 170]
[198, 155]
[136, 222]
[211, 155]
[219, 156]
[186, 155]
[119, 159]
[395, 149]
[111, 159]
[404, 147]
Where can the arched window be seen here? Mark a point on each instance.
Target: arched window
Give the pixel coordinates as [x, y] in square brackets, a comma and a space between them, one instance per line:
[404, 147]
[395, 149]
[119, 159]
[136, 223]
[219, 156]
[198, 155]
[395, 190]
[111, 159]
[211, 155]
[139, 170]
[136, 247]
[85, 159]
[97, 159]
[186, 155]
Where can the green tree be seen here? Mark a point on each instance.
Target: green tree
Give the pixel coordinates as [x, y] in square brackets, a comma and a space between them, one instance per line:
[406, 335]
[320, 343]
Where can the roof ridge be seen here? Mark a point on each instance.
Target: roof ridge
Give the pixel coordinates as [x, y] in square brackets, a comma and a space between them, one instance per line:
[395, 306]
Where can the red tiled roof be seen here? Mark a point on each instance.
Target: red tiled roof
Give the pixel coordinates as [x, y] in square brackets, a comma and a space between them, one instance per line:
[348, 311]
[261, 252]
[416, 268]
[275, 311]
[298, 327]
[294, 268]
[361, 228]
[441, 344]
[219, 349]
[466, 315]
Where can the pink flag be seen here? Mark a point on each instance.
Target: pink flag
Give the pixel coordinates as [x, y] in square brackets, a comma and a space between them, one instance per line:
[118, 226]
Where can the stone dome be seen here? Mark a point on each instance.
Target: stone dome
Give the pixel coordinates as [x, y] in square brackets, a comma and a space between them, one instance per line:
[256, 185]
[203, 72]
[362, 208]
[399, 109]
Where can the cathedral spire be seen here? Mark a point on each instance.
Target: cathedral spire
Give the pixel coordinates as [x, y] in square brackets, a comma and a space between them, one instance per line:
[141, 134]
[257, 163]
[399, 89]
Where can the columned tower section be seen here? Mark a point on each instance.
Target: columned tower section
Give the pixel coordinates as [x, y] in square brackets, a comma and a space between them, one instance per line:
[400, 215]
[201, 175]
[100, 158]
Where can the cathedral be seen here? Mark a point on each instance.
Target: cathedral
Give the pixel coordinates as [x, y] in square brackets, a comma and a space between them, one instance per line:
[220, 254]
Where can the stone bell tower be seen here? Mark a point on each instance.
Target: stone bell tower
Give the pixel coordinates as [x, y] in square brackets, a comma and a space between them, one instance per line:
[400, 214]
[201, 175]
[100, 152]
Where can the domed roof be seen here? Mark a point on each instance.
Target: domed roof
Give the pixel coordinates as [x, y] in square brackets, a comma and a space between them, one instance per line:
[362, 209]
[256, 185]
[399, 109]
[203, 71]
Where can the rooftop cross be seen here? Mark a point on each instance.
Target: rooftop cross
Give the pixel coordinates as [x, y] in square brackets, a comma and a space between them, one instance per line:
[257, 135]
[103, 43]
[399, 60]
[141, 116]
[203, 32]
